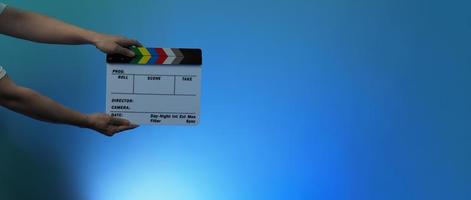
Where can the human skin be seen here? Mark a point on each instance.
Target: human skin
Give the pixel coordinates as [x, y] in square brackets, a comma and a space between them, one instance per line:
[39, 28]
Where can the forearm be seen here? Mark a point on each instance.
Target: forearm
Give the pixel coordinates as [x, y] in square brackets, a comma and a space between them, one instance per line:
[40, 28]
[35, 105]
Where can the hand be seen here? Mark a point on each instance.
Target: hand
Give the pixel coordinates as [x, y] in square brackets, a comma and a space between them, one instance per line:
[111, 44]
[108, 125]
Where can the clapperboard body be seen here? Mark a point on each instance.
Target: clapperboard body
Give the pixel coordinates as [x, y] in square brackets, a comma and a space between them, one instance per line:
[157, 86]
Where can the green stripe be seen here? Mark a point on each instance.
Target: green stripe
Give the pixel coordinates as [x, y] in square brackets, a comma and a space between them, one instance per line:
[137, 57]
[136, 51]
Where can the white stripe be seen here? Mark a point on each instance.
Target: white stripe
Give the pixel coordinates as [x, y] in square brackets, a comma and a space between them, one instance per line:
[2, 72]
[2, 7]
[169, 60]
[169, 52]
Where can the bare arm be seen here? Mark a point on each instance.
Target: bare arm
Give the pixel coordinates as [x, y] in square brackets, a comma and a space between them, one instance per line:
[39, 28]
[35, 105]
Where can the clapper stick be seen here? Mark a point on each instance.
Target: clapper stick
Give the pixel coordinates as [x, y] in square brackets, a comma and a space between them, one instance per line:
[159, 56]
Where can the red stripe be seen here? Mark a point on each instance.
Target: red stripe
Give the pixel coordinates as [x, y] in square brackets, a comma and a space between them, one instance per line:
[157, 52]
[162, 56]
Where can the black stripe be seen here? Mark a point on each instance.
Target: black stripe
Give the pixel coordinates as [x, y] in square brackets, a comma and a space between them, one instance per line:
[191, 57]
[115, 58]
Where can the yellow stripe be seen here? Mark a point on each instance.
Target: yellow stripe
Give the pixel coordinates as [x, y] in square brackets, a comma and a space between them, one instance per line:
[144, 59]
[143, 51]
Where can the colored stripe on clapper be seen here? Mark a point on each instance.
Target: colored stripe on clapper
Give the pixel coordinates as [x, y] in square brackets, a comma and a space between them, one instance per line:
[159, 56]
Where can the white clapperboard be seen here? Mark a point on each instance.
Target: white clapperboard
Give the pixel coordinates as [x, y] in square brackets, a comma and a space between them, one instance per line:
[159, 86]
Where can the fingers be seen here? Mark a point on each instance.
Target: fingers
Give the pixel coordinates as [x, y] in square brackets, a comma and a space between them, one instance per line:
[125, 128]
[117, 129]
[123, 51]
[119, 122]
[108, 125]
[125, 42]
[122, 122]
[117, 45]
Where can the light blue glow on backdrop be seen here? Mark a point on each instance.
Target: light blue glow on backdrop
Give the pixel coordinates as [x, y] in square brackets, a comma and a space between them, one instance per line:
[320, 99]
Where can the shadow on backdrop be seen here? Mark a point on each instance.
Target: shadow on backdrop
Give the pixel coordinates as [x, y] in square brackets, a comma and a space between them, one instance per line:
[26, 174]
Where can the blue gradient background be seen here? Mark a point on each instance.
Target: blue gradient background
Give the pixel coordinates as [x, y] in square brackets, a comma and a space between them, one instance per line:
[321, 99]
